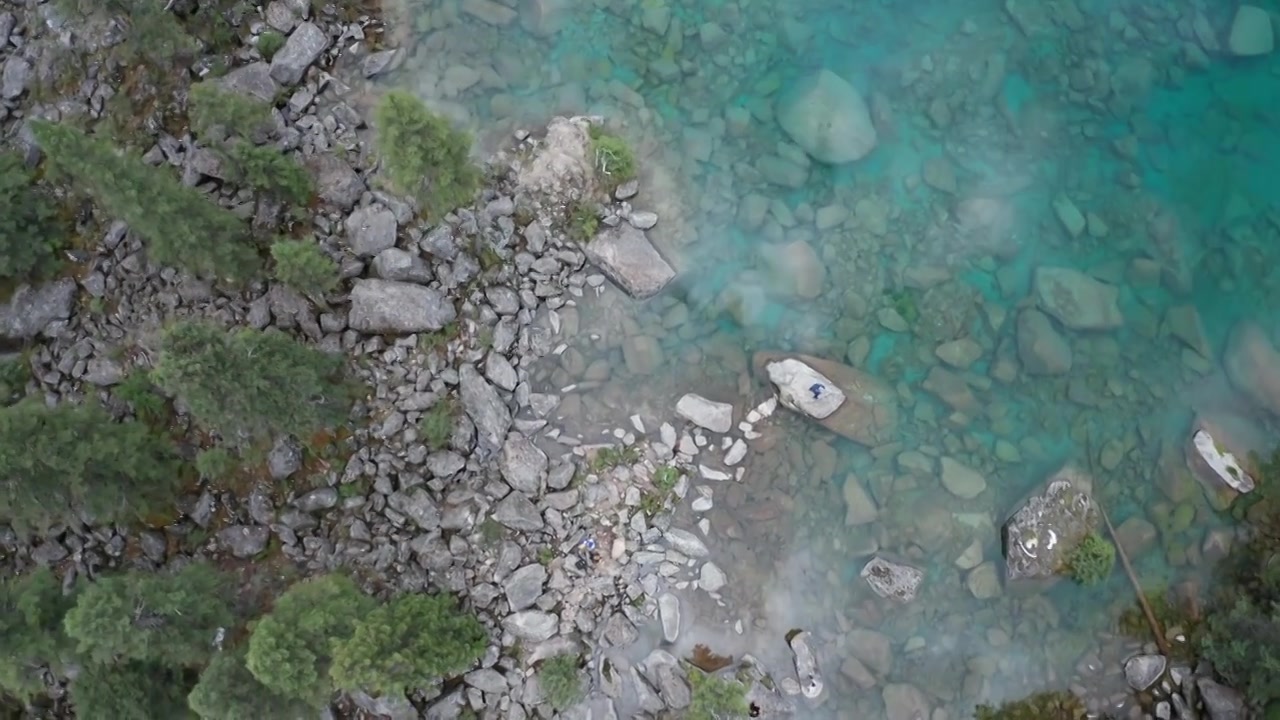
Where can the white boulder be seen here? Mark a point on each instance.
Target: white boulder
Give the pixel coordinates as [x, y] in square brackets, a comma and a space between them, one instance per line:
[1251, 32]
[828, 118]
[707, 414]
[804, 389]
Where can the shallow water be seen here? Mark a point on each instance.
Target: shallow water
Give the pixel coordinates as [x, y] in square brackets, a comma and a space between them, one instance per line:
[1025, 121]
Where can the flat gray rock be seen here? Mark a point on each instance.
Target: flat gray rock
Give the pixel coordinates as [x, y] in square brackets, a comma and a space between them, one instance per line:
[522, 464]
[304, 46]
[625, 255]
[387, 306]
[31, 310]
[485, 407]
[370, 230]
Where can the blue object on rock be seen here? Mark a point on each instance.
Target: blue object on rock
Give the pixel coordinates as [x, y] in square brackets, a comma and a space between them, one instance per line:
[816, 389]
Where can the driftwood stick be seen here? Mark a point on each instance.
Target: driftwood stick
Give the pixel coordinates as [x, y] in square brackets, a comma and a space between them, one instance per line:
[1124, 561]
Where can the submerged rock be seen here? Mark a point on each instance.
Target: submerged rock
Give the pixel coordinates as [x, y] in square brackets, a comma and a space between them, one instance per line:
[1251, 32]
[1040, 535]
[806, 665]
[707, 414]
[1253, 366]
[1218, 452]
[828, 118]
[892, 580]
[1077, 301]
[1143, 671]
[869, 413]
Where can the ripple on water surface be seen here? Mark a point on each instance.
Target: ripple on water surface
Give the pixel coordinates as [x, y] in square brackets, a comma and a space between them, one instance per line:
[1100, 140]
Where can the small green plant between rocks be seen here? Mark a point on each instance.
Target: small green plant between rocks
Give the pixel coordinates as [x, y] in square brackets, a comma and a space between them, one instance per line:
[614, 159]
[583, 222]
[1092, 561]
[1041, 706]
[611, 457]
[715, 697]
[561, 681]
[437, 423]
[303, 266]
[269, 43]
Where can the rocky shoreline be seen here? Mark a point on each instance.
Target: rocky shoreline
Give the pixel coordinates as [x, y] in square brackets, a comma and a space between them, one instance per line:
[562, 541]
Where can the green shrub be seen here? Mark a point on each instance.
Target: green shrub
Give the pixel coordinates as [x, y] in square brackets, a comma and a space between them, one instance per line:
[251, 384]
[30, 232]
[168, 619]
[406, 644]
[210, 106]
[32, 608]
[182, 227]
[133, 690]
[437, 423]
[303, 266]
[424, 156]
[268, 171]
[561, 681]
[54, 460]
[1243, 643]
[215, 463]
[714, 697]
[1041, 706]
[583, 222]
[147, 403]
[1092, 561]
[155, 35]
[15, 373]
[228, 691]
[291, 649]
[613, 157]
[269, 43]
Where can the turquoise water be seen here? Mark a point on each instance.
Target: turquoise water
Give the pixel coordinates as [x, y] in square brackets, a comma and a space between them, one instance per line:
[1205, 147]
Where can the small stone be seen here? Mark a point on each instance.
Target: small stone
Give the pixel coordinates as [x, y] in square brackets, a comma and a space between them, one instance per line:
[1143, 671]
[711, 578]
[708, 414]
[961, 480]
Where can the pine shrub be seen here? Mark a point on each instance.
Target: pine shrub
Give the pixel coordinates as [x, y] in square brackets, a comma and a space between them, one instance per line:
[561, 681]
[303, 266]
[30, 232]
[1057, 705]
[713, 697]
[1092, 561]
[32, 608]
[209, 106]
[270, 172]
[57, 460]
[249, 384]
[168, 619]
[406, 644]
[228, 691]
[129, 690]
[269, 43]
[291, 649]
[181, 226]
[424, 156]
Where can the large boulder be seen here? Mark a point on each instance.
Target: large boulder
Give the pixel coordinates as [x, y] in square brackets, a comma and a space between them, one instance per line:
[630, 260]
[1251, 32]
[31, 310]
[1219, 452]
[1041, 534]
[1077, 301]
[868, 409]
[1041, 348]
[561, 168]
[1253, 366]
[827, 117]
[386, 306]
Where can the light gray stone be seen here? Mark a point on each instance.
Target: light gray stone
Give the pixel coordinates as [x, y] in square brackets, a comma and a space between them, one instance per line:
[304, 47]
[524, 586]
[522, 464]
[828, 118]
[386, 306]
[370, 230]
[1143, 671]
[961, 480]
[891, 580]
[486, 409]
[626, 256]
[1049, 525]
[531, 626]
[707, 414]
[31, 310]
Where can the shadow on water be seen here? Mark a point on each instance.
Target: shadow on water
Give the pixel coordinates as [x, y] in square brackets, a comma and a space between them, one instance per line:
[1173, 167]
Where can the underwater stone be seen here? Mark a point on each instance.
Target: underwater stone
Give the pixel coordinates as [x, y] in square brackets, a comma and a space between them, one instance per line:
[891, 580]
[869, 414]
[708, 414]
[1040, 535]
[1253, 366]
[1077, 300]
[806, 665]
[1041, 348]
[1217, 455]
[1251, 32]
[828, 118]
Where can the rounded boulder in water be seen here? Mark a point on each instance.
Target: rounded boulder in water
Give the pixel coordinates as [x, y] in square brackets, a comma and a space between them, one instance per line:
[827, 117]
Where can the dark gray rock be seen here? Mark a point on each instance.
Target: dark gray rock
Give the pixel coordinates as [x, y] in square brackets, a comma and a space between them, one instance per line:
[336, 182]
[284, 459]
[31, 310]
[486, 409]
[49, 553]
[418, 506]
[626, 256]
[385, 306]
[13, 81]
[400, 265]
[317, 500]
[618, 631]
[244, 541]
[1222, 702]
[517, 512]
[1044, 530]
[304, 46]
[522, 464]
[1143, 671]
[253, 80]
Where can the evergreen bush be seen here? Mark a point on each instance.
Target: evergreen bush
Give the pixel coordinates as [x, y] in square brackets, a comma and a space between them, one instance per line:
[1092, 561]
[1056, 705]
[228, 691]
[215, 463]
[30, 232]
[714, 697]
[269, 43]
[209, 106]
[57, 460]
[167, 619]
[129, 690]
[407, 643]
[154, 33]
[561, 681]
[424, 156]
[32, 608]
[144, 399]
[268, 171]
[181, 226]
[613, 157]
[249, 384]
[291, 649]
[303, 266]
